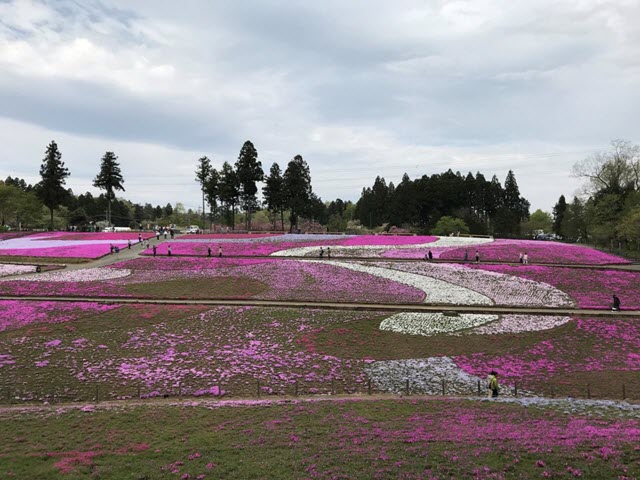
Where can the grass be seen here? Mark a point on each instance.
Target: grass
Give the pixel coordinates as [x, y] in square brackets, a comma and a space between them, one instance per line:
[203, 288]
[411, 438]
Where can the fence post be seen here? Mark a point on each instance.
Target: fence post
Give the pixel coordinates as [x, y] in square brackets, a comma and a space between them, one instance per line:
[588, 390]
[258, 388]
[479, 391]
[444, 387]
[515, 389]
[624, 392]
[408, 387]
[369, 386]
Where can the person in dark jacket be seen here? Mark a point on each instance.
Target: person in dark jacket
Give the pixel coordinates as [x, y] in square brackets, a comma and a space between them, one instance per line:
[616, 304]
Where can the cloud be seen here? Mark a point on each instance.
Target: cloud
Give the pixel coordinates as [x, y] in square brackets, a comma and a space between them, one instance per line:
[361, 88]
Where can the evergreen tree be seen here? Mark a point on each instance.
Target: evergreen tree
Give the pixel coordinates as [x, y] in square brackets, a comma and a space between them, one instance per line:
[53, 173]
[297, 189]
[249, 171]
[203, 171]
[229, 192]
[273, 193]
[558, 215]
[212, 190]
[109, 179]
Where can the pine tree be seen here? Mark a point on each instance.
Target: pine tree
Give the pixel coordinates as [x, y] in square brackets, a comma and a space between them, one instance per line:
[249, 171]
[559, 211]
[203, 171]
[297, 188]
[109, 179]
[273, 193]
[53, 173]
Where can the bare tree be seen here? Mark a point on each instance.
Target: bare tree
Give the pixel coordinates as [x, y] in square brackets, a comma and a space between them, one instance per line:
[612, 171]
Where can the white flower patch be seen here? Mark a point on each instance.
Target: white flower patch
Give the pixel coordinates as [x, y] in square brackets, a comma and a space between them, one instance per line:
[429, 324]
[519, 324]
[84, 275]
[425, 376]
[436, 291]
[7, 269]
[503, 289]
[360, 250]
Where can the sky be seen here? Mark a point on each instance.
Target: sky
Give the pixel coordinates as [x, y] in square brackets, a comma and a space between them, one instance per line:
[358, 88]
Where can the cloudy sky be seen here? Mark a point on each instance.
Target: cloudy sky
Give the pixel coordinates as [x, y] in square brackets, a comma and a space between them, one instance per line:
[358, 88]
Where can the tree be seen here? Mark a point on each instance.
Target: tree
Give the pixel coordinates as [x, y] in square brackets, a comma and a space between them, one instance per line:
[273, 193]
[447, 225]
[297, 188]
[538, 220]
[615, 171]
[109, 179]
[53, 173]
[212, 190]
[229, 192]
[249, 171]
[203, 171]
[558, 215]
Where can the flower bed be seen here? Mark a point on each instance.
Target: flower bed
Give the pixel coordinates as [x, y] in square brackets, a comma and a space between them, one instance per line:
[590, 288]
[500, 288]
[595, 345]
[283, 280]
[538, 252]
[19, 313]
[7, 269]
[429, 324]
[66, 245]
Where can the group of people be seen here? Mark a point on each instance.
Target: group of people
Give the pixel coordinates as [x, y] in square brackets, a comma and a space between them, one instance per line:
[322, 251]
[524, 258]
[164, 231]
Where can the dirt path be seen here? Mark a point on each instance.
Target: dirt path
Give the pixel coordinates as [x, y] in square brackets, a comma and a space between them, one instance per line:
[376, 307]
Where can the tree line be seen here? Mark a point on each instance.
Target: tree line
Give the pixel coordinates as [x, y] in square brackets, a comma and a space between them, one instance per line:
[607, 213]
[446, 203]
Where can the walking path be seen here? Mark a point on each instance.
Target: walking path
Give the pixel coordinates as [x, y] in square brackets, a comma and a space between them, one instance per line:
[572, 405]
[376, 307]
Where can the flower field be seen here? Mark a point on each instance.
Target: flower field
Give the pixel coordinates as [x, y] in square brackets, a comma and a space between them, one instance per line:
[196, 392]
[538, 252]
[414, 438]
[66, 245]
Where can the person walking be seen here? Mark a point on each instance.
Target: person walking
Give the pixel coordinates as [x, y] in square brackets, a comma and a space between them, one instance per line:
[477, 256]
[329, 253]
[493, 383]
[525, 258]
[521, 258]
[165, 234]
[430, 255]
[129, 244]
[154, 250]
[169, 250]
[616, 304]
[139, 238]
[157, 234]
[209, 251]
[321, 252]
[219, 250]
[111, 248]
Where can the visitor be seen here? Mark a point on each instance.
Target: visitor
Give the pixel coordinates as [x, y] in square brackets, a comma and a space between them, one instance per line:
[165, 234]
[525, 258]
[329, 253]
[154, 250]
[111, 248]
[139, 238]
[477, 256]
[157, 234]
[466, 256]
[493, 383]
[169, 250]
[171, 233]
[430, 255]
[209, 251]
[616, 304]
[219, 251]
[116, 249]
[129, 244]
[321, 252]
[146, 245]
[521, 258]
